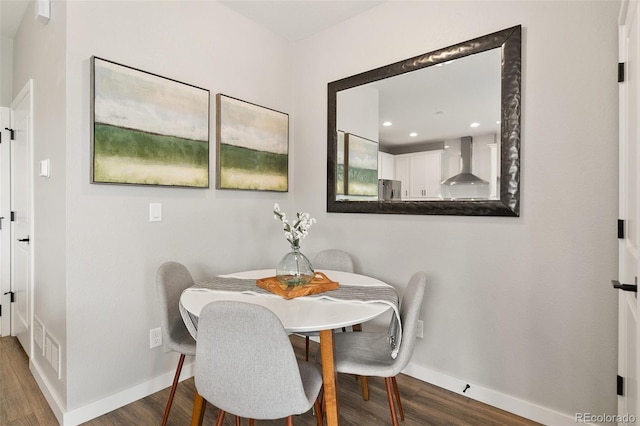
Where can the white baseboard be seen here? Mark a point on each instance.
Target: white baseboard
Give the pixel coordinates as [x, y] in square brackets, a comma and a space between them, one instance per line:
[113, 402]
[496, 399]
[45, 387]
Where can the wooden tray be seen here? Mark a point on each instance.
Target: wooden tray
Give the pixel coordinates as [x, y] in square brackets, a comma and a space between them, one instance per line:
[319, 284]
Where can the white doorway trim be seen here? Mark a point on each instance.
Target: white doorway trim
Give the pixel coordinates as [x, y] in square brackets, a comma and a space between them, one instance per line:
[5, 231]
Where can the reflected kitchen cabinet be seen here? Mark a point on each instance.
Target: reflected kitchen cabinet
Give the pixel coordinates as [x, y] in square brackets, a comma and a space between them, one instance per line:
[403, 172]
[386, 166]
[420, 174]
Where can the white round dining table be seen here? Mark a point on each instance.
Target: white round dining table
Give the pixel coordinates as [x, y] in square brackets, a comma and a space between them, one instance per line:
[300, 314]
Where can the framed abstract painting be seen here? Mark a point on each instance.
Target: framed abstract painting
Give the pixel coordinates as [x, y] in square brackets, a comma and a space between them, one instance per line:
[147, 129]
[360, 166]
[252, 146]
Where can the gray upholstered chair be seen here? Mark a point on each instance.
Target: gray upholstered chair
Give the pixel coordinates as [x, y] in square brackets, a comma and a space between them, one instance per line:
[369, 354]
[171, 279]
[247, 367]
[335, 260]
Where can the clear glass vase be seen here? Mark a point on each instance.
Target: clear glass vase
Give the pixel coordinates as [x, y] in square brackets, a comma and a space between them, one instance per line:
[294, 268]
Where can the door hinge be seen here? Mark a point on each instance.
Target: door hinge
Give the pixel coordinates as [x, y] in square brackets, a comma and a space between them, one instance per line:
[621, 229]
[11, 133]
[620, 386]
[12, 217]
[12, 295]
[0, 310]
[620, 73]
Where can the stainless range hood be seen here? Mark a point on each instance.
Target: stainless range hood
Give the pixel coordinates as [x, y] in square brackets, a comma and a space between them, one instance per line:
[465, 177]
[465, 185]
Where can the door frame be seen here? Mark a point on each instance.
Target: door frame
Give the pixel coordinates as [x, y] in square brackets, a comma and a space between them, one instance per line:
[628, 325]
[5, 212]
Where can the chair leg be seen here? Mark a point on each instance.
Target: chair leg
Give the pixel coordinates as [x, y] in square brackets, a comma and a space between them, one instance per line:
[252, 422]
[220, 418]
[290, 421]
[318, 411]
[237, 420]
[397, 392]
[172, 393]
[392, 407]
[364, 384]
[306, 345]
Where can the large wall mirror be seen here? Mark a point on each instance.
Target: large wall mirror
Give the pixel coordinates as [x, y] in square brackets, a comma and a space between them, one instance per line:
[435, 134]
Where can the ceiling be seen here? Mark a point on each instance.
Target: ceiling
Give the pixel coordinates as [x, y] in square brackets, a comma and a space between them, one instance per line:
[292, 20]
[295, 20]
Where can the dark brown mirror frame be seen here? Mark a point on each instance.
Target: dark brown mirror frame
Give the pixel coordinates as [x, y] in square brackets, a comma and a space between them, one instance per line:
[509, 203]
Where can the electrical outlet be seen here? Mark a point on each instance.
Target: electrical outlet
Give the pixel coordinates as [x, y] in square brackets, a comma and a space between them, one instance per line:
[420, 329]
[155, 337]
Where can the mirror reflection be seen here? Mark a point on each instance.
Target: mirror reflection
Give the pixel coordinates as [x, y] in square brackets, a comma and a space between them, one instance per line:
[432, 134]
[435, 134]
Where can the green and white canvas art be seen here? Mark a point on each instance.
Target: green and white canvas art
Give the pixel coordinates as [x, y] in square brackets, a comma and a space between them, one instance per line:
[147, 129]
[253, 146]
[340, 164]
[361, 159]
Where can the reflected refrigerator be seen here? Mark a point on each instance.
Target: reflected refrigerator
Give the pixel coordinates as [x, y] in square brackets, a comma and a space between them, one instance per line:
[389, 189]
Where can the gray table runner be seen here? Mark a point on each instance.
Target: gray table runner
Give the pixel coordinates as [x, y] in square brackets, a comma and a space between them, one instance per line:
[344, 293]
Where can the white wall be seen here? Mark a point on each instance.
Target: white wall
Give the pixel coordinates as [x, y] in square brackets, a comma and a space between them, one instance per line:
[113, 250]
[6, 73]
[516, 306]
[358, 112]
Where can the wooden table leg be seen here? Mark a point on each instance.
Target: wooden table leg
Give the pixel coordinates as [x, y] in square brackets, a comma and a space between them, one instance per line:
[329, 377]
[198, 410]
[364, 384]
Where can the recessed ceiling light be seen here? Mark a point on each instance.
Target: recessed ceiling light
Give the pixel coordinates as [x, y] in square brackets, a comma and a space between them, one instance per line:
[475, 124]
[387, 123]
[413, 134]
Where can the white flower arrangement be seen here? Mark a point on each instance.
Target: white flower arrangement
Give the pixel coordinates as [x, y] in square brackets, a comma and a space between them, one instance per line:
[300, 228]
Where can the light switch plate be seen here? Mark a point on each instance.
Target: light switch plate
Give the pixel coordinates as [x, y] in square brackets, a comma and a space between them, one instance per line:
[45, 168]
[155, 212]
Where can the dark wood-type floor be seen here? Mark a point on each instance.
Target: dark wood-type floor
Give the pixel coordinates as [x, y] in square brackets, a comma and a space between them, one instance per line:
[22, 403]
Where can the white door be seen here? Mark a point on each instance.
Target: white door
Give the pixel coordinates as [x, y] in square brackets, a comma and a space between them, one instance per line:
[21, 229]
[628, 325]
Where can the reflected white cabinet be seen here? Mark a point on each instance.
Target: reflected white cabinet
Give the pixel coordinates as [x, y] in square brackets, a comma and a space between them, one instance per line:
[420, 173]
[386, 166]
[403, 173]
